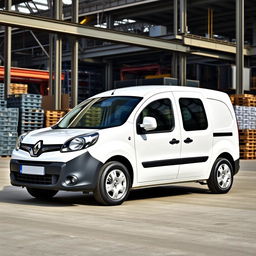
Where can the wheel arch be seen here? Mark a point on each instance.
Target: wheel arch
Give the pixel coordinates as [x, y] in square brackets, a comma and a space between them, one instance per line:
[228, 157]
[125, 162]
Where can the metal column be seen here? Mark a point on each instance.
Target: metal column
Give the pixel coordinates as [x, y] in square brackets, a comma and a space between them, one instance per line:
[110, 21]
[183, 30]
[175, 17]
[57, 58]
[109, 75]
[74, 60]
[239, 45]
[254, 33]
[174, 65]
[7, 52]
[183, 70]
[183, 16]
[51, 53]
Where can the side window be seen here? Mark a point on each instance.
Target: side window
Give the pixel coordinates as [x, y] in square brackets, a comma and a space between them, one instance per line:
[193, 114]
[162, 111]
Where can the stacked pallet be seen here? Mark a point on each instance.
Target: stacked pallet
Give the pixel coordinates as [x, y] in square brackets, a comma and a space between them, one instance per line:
[18, 88]
[245, 110]
[8, 130]
[31, 114]
[244, 100]
[53, 116]
[247, 140]
[2, 101]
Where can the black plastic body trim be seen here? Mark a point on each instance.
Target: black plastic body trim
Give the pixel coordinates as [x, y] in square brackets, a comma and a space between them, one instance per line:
[222, 134]
[237, 166]
[84, 167]
[177, 161]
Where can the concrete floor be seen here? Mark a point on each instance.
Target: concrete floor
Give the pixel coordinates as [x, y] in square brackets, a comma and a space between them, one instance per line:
[174, 220]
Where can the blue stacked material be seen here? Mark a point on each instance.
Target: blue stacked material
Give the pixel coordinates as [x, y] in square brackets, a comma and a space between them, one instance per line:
[25, 101]
[1, 91]
[9, 118]
[31, 119]
[31, 114]
[3, 103]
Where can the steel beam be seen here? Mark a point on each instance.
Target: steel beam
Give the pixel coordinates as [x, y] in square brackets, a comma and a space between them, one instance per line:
[239, 45]
[39, 43]
[74, 59]
[7, 52]
[57, 26]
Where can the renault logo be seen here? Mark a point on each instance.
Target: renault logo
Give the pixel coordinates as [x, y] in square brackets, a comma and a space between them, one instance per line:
[36, 149]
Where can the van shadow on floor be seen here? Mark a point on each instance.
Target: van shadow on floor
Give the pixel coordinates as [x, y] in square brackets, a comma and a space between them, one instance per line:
[15, 195]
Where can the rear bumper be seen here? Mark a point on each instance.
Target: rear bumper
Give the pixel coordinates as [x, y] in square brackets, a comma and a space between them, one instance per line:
[84, 167]
[237, 166]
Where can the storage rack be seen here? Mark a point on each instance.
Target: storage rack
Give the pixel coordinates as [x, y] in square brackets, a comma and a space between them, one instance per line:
[245, 110]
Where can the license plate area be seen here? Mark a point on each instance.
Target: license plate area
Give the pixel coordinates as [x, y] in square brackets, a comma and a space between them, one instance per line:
[32, 170]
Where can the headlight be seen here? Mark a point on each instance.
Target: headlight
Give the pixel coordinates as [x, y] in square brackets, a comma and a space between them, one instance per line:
[80, 142]
[19, 140]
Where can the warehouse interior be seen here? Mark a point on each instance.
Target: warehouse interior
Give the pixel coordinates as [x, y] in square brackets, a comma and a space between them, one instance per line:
[80, 48]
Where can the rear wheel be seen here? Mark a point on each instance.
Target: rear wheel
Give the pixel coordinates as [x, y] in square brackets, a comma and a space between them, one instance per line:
[221, 178]
[42, 194]
[113, 185]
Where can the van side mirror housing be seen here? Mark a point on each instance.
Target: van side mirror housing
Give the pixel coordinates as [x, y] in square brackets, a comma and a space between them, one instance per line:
[149, 123]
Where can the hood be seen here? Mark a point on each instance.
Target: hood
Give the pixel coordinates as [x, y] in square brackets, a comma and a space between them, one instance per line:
[51, 136]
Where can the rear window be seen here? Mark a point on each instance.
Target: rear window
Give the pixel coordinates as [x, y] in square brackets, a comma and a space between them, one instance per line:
[193, 114]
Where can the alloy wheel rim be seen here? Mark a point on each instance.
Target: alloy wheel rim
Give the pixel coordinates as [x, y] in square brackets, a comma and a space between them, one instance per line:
[116, 184]
[224, 177]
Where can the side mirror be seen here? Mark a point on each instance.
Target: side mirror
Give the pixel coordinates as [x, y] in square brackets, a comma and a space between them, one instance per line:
[149, 123]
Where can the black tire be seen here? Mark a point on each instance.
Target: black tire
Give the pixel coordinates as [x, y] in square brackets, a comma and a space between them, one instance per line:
[221, 178]
[42, 194]
[113, 185]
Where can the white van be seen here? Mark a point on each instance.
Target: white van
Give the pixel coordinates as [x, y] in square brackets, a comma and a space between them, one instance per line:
[131, 138]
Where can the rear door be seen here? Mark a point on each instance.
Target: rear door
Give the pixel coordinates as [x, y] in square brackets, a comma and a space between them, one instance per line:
[196, 135]
[158, 151]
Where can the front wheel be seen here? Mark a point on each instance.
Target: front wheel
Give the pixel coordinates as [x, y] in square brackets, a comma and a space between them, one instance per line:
[113, 185]
[42, 194]
[221, 178]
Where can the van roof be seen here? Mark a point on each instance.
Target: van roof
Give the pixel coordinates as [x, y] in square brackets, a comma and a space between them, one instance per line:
[147, 91]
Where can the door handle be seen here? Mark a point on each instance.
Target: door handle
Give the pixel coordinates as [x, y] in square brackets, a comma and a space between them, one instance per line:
[188, 140]
[174, 141]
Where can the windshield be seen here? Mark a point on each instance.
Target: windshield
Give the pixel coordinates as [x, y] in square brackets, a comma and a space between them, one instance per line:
[100, 113]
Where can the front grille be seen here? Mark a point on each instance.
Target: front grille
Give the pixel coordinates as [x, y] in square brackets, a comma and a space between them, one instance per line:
[45, 148]
[36, 179]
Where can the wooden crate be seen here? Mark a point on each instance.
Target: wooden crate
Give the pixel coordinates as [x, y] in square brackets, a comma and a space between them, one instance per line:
[53, 116]
[18, 88]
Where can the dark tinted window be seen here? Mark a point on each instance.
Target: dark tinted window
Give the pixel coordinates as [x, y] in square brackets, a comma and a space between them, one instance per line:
[193, 114]
[161, 110]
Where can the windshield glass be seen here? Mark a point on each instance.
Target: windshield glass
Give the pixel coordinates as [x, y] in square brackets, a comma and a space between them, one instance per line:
[100, 113]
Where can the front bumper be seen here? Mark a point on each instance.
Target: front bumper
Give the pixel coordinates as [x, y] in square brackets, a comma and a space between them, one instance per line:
[84, 167]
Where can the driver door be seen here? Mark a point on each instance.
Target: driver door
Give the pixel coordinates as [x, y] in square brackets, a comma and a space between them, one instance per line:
[158, 151]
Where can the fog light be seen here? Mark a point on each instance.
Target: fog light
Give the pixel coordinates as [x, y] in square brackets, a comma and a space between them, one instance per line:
[71, 180]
